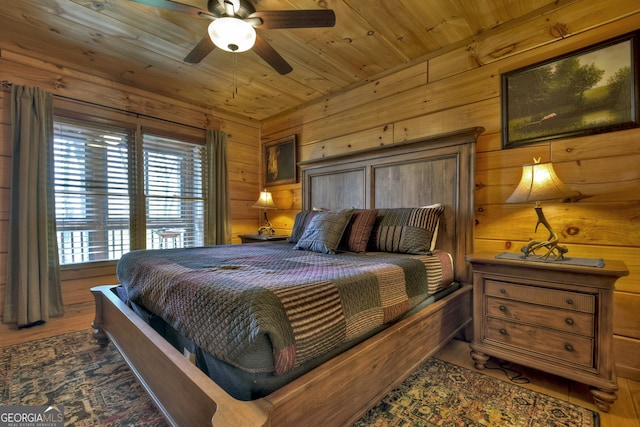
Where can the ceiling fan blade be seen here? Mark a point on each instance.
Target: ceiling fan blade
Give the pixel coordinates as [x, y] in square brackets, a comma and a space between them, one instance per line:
[202, 49]
[176, 7]
[273, 19]
[271, 57]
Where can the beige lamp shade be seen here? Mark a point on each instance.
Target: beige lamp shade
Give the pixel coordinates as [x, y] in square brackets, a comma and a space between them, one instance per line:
[539, 182]
[265, 201]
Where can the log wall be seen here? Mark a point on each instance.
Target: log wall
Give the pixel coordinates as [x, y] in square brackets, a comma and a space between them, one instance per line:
[460, 88]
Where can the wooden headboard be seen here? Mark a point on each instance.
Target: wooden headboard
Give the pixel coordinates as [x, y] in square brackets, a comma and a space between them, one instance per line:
[434, 170]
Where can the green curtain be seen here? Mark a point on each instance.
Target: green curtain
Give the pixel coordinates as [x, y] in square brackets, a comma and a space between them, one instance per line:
[33, 291]
[219, 212]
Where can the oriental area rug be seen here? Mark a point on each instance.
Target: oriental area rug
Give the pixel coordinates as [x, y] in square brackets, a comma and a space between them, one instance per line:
[96, 388]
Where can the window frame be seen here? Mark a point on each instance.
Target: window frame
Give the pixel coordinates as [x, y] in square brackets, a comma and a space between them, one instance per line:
[137, 124]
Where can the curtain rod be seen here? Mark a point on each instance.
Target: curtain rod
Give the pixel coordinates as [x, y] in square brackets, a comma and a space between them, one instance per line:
[7, 84]
[124, 111]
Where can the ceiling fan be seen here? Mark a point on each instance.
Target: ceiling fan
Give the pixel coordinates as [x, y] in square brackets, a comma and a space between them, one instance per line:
[233, 24]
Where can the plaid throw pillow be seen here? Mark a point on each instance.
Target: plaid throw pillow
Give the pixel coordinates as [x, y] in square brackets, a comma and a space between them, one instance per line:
[324, 232]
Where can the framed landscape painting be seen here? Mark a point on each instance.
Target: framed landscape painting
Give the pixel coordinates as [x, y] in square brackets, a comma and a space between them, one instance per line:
[589, 91]
[280, 161]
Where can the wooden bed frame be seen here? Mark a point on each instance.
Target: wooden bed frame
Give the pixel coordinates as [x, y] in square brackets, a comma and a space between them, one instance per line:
[340, 391]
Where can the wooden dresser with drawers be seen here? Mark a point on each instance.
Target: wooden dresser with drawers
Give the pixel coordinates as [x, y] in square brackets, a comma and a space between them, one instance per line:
[554, 317]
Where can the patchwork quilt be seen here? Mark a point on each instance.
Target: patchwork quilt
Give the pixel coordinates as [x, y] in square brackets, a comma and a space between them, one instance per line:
[267, 307]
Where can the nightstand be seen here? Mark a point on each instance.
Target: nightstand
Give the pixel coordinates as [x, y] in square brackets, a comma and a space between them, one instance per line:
[257, 238]
[554, 317]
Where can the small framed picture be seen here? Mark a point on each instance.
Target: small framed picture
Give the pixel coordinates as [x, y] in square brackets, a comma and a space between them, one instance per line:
[280, 161]
[590, 91]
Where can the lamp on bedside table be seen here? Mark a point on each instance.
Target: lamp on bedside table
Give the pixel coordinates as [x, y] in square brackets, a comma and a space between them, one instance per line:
[265, 201]
[540, 182]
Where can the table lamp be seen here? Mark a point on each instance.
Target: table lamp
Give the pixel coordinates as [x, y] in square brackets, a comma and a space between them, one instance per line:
[540, 182]
[265, 201]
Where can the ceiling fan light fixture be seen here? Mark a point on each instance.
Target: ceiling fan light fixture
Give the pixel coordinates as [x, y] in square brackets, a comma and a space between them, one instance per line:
[232, 34]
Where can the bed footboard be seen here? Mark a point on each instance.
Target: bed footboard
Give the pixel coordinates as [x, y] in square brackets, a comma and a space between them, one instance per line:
[182, 392]
[336, 393]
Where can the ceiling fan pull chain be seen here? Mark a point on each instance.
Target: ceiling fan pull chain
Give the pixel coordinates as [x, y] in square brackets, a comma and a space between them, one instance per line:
[235, 76]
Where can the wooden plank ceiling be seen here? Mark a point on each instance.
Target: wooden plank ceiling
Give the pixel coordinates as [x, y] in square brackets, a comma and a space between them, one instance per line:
[143, 46]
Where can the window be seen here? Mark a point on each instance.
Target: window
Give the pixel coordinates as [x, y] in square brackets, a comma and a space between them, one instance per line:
[174, 196]
[95, 194]
[92, 191]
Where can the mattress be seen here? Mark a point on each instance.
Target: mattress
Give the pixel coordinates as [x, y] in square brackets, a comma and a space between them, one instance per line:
[270, 309]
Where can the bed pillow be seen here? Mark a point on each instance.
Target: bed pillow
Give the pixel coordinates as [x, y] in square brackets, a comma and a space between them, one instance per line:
[407, 230]
[300, 224]
[324, 232]
[356, 235]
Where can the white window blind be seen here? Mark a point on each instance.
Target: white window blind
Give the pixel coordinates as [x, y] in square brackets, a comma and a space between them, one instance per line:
[91, 191]
[174, 192]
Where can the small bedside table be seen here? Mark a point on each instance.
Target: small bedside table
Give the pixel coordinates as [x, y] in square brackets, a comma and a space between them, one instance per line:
[557, 318]
[257, 238]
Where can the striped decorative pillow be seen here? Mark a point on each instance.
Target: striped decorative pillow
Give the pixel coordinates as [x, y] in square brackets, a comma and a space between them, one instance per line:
[406, 230]
[358, 231]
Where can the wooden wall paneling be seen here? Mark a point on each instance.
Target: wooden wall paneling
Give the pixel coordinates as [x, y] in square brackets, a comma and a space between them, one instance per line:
[245, 153]
[512, 158]
[481, 114]
[577, 223]
[626, 353]
[621, 143]
[414, 103]
[73, 84]
[239, 172]
[382, 87]
[75, 291]
[376, 112]
[626, 322]
[237, 131]
[379, 135]
[604, 179]
[84, 271]
[489, 141]
[287, 197]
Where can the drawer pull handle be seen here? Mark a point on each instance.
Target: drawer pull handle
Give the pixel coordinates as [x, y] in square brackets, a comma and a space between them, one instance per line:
[569, 301]
[503, 308]
[568, 321]
[503, 291]
[568, 347]
[503, 331]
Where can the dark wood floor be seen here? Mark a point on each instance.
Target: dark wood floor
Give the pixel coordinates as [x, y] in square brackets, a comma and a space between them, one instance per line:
[624, 413]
